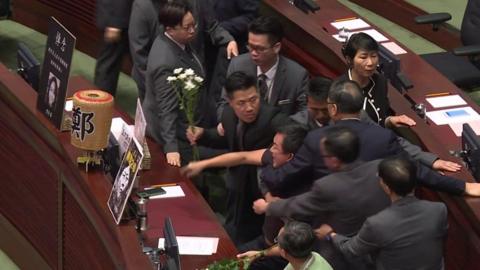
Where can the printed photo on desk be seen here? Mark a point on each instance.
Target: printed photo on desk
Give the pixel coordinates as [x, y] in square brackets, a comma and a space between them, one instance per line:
[123, 184]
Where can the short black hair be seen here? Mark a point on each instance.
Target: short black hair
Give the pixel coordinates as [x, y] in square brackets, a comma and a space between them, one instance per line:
[297, 239]
[346, 94]
[267, 25]
[342, 143]
[171, 14]
[359, 41]
[238, 81]
[399, 174]
[293, 137]
[318, 88]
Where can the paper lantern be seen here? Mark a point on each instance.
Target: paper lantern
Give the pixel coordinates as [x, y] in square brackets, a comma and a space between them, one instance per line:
[91, 119]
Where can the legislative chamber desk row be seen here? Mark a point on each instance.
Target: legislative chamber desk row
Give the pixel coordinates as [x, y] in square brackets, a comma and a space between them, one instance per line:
[54, 215]
[312, 33]
[309, 41]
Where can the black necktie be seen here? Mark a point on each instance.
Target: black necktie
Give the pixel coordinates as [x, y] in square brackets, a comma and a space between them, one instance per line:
[194, 58]
[262, 86]
[240, 133]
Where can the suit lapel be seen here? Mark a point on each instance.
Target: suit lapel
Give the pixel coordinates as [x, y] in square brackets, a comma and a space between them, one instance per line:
[189, 61]
[278, 82]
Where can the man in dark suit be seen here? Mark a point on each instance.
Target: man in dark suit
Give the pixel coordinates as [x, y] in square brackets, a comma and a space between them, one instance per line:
[281, 81]
[112, 20]
[249, 125]
[344, 105]
[234, 16]
[166, 123]
[338, 198]
[409, 234]
[145, 27]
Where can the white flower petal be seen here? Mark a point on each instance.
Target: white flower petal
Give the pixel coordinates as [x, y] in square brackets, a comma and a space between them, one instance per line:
[177, 70]
[171, 78]
[189, 72]
[198, 79]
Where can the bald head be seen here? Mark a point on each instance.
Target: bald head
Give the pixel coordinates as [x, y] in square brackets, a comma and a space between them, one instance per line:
[347, 96]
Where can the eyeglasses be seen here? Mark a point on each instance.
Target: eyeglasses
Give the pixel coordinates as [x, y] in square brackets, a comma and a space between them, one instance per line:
[189, 28]
[258, 49]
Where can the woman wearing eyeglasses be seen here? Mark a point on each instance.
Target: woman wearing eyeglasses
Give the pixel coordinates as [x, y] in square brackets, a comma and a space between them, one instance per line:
[361, 54]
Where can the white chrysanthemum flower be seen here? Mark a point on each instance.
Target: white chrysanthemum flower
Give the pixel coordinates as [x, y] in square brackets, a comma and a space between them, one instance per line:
[177, 70]
[189, 72]
[182, 76]
[171, 78]
[198, 79]
[189, 85]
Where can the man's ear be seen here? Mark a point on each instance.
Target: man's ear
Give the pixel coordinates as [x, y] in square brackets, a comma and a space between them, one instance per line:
[277, 47]
[168, 29]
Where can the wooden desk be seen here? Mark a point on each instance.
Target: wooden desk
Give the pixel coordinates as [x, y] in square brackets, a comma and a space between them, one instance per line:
[404, 14]
[59, 212]
[312, 33]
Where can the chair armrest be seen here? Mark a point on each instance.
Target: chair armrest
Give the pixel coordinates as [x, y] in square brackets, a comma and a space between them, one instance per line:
[434, 18]
[467, 50]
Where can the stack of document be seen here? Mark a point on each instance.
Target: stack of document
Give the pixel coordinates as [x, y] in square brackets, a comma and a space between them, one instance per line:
[454, 117]
[191, 245]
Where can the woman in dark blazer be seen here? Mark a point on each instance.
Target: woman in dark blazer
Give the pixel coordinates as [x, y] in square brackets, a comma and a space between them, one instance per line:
[361, 54]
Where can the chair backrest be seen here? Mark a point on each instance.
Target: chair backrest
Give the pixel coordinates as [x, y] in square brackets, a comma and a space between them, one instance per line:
[470, 31]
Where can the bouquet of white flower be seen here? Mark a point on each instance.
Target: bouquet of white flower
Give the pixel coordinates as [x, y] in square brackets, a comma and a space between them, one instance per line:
[186, 84]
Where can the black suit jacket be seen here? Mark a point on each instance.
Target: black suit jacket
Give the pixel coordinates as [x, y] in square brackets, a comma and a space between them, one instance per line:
[409, 234]
[113, 13]
[235, 15]
[242, 181]
[376, 102]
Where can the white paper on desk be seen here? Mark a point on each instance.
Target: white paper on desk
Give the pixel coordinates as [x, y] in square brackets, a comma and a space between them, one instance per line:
[457, 115]
[446, 101]
[170, 192]
[458, 127]
[351, 24]
[371, 32]
[394, 48]
[191, 245]
[122, 132]
[68, 105]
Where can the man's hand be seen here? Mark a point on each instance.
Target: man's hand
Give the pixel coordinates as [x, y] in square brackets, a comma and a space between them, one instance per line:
[251, 255]
[323, 231]
[472, 189]
[192, 169]
[232, 49]
[193, 134]
[112, 34]
[444, 165]
[400, 120]
[260, 206]
[269, 198]
[173, 158]
[220, 130]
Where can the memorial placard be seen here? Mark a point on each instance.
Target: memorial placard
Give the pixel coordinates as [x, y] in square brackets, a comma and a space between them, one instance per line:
[55, 72]
[125, 179]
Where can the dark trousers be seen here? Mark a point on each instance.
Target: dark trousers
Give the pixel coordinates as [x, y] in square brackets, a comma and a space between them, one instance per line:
[109, 62]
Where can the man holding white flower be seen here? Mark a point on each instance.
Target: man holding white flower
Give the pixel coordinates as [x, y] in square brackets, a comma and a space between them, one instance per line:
[174, 70]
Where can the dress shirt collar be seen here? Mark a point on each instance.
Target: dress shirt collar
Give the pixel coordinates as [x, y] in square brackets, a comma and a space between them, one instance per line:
[182, 46]
[271, 72]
